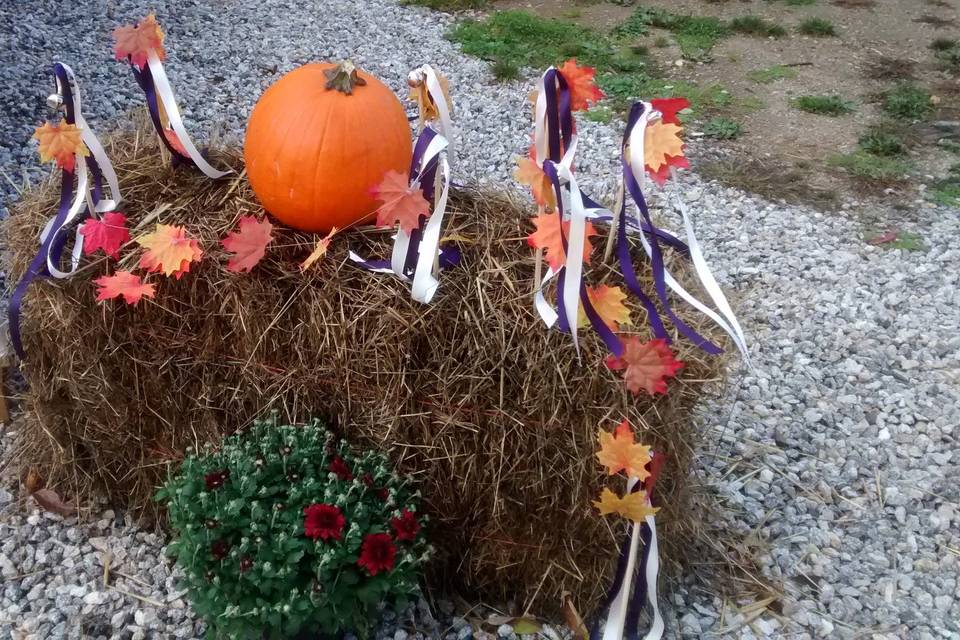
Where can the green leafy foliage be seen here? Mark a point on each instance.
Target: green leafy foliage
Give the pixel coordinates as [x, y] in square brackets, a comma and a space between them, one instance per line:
[907, 101]
[947, 52]
[757, 26]
[771, 74]
[695, 35]
[241, 533]
[450, 5]
[817, 27]
[505, 70]
[881, 141]
[947, 191]
[722, 129]
[599, 114]
[823, 105]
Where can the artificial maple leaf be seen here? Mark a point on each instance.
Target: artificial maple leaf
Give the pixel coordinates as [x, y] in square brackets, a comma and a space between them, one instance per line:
[618, 452]
[528, 172]
[661, 175]
[547, 237]
[583, 89]
[607, 301]
[174, 140]
[646, 365]
[62, 143]
[634, 506]
[248, 244]
[318, 251]
[137, 40]
[659, 142]
[401, 203]
[123, 283]
[108, 233]
[669, 108]
[421, 95]
[168, 249]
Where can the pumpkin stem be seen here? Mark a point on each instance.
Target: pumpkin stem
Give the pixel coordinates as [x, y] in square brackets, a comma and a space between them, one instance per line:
[344, 77]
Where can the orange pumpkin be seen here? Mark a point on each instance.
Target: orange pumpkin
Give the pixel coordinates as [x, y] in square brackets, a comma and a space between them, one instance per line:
[319, 139]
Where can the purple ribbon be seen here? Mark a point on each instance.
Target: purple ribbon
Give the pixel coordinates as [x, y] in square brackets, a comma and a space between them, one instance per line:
[53, 245]
[656, 257]
[145, 79]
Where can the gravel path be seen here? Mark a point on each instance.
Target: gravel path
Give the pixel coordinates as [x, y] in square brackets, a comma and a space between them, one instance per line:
[836, 458]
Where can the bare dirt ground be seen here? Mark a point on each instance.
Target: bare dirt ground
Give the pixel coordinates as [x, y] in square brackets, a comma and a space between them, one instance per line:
[877, 45]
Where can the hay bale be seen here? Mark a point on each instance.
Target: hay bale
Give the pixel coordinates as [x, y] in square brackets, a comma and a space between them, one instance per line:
[472, 395]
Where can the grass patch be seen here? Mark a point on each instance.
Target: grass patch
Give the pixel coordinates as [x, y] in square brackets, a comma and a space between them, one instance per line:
[947, 191]
[772, 74]
[824, 105]
[695, 35]
[800, 3]
[947, 52]
[887, 68]
[907, 101]
[757, 26]
[817, 27]
[881, 141]
[722, 129]
[871, 168]
[505, 70]
[661, 42]
[599, 114]
[774, 181]
[449, 5]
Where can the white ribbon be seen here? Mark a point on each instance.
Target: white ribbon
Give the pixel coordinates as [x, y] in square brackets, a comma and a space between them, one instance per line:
[617, 615]
[166, 97]
[726, 319]
[427, 75]
[84, 194]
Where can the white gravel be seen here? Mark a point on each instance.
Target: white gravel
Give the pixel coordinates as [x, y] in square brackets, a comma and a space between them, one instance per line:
[837, 458]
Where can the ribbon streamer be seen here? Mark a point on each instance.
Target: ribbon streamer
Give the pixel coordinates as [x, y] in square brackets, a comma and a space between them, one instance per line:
[74, 208]
[416, 256]
[165, 115]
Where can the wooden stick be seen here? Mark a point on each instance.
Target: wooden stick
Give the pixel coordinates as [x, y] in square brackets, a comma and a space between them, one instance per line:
[615, 223]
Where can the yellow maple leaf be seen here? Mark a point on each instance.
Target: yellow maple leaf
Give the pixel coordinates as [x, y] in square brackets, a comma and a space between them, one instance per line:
[607, 301]
[633, 506]
[659, 141]
[318, 251]
[420, 95]
[618, 452]
[168, 249]
[61, 143]
[528, 172]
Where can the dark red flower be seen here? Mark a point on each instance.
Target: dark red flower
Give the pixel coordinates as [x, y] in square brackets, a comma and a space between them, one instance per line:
[339, 467]
[377, 553]
[368, 479]
[216, 479]
[324, 521]
[406, 526]
[383, 494]
[220, 549]
[245, 564]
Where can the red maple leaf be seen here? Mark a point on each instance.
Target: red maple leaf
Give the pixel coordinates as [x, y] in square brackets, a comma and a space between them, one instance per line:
[583, 89]
[661, 175]
[248, 244]
[174, 140]
[123, 283]
[646, 365]
[108, 233]
[401, 203]
[137, 40]
[547, 237]
[669, 107]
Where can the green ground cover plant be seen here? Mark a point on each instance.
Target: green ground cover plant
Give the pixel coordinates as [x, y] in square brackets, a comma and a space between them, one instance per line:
[824, 105]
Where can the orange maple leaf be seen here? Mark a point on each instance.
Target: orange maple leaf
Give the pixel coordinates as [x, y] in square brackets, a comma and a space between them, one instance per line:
[174, 141]
[137, 40]
[108, 233]
[123, 283]
[646, 365]
[607, 301]
[426, 107]
[528, 172]
[168, 249]
[634, 506]
[401, 203]
[618, 452]
[661, 140]
[248, 243]
[61, 143]
[580, 80]
[318, 251]
[547, 237]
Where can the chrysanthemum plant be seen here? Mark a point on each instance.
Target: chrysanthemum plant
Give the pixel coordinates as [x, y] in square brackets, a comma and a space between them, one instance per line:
[284, 530]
